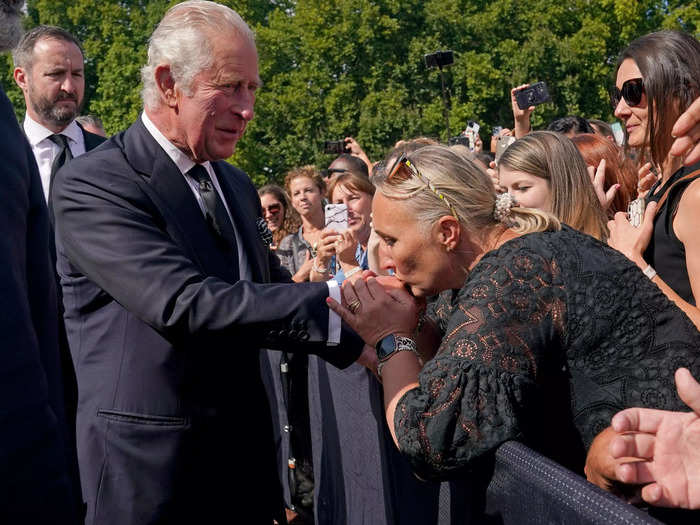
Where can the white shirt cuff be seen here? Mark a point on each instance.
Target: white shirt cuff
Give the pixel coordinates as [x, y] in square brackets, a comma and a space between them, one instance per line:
[333, 318]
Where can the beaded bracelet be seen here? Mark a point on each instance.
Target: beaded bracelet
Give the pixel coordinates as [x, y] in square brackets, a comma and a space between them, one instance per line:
[319, 269]
[353, 272]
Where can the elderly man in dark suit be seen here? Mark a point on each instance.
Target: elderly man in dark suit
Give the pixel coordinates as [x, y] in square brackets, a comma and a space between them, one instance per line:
[35, 486]
[163, 271]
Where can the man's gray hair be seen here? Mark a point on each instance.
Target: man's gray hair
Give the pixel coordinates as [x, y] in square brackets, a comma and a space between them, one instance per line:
[182, 40]
[90, 120]
[10, 23]
[23, 54]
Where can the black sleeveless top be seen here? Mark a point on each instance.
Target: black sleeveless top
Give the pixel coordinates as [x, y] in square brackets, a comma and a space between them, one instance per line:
[666, 252]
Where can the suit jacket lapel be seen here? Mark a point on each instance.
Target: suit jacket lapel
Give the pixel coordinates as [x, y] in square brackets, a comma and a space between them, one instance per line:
[244, 214]
[174, 198]
[91, 140]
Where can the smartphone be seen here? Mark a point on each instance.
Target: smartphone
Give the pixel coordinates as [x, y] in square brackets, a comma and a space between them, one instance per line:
[618, 133]
[335, 147]
[534, 95]
[471, 132]
[337, 217]
[502, 144]
[496, 131]
[635, 212]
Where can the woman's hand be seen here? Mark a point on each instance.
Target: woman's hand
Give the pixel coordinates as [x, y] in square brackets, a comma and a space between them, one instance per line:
[597, 176]
[345, 248]
[368, 359]
[492, 172]
[374, 312]
[326, 247]
[600, 468]
[647, 177]
[631, 241]
[687, 133]
[356, 150]
[304, 271]
[520, 116]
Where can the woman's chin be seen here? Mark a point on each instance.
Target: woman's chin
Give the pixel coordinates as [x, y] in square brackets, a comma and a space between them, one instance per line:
[418, 292]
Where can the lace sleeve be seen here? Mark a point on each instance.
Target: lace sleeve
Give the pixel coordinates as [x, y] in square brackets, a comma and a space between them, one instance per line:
[475, 391]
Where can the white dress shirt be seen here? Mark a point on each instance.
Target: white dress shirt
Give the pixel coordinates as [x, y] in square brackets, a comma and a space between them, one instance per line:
[45, 150]
[184, 164]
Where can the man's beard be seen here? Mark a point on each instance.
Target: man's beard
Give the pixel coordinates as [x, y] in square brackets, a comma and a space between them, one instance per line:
[50, 112]
[10, 23]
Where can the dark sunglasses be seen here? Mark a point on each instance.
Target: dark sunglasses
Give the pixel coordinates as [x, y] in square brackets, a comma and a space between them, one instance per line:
[403, 169]
[273, 208]
[631, 91]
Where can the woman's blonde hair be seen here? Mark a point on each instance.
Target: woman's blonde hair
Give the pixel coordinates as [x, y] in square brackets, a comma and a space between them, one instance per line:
[553, 157]
[468, 190]
[309, 172]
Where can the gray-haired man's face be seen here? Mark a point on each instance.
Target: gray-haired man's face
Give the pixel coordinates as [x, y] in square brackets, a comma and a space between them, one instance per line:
[10, 23]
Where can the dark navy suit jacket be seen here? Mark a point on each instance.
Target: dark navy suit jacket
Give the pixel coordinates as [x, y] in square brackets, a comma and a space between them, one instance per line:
[173, 422]
[35, 485]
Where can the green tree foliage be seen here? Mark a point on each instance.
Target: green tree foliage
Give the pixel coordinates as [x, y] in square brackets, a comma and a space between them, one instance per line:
[335, 68]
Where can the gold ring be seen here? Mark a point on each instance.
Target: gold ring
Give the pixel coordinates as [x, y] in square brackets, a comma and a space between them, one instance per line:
[354, 306]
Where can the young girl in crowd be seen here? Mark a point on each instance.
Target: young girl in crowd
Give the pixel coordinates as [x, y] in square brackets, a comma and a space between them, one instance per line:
[545, 171]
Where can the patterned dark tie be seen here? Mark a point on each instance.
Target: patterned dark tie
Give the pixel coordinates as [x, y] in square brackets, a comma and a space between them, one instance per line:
[64, 156]
[214, 209]
[64, 153]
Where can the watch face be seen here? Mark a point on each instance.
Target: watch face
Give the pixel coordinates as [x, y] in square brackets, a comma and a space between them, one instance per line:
[386, 347]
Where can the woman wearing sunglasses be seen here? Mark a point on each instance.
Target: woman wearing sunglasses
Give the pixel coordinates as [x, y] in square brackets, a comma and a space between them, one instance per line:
[281, 218]
[539, 333]
[658, 78]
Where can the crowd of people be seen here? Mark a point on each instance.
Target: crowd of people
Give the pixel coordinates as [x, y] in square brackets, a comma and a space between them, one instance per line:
[182, 347]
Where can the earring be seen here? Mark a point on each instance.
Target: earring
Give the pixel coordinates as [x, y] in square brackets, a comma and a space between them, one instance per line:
[448, 248]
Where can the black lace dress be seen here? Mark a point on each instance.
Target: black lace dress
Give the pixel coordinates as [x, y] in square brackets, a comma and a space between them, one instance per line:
[549, 337]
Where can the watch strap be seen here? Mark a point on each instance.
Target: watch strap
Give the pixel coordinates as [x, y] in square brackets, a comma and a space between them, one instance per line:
[401, 344]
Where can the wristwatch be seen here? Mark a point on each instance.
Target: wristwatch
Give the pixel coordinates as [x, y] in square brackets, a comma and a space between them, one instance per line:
[391, 345]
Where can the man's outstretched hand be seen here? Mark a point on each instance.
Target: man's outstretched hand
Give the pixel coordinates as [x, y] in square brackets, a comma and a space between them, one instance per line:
[670, 443]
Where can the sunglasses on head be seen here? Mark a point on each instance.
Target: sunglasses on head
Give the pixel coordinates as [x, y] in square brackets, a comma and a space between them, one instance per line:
[403, 169]
[631, 91]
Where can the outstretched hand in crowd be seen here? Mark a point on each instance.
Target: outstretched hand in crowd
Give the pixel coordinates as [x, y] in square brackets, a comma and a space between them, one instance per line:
[670, 444]
[521, 117]
[687, 134]
[597, 176]
[353, 147]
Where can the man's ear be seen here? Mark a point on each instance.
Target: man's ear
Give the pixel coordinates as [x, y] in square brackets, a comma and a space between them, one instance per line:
[448, 232]
[166, 85]
[20, 75]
